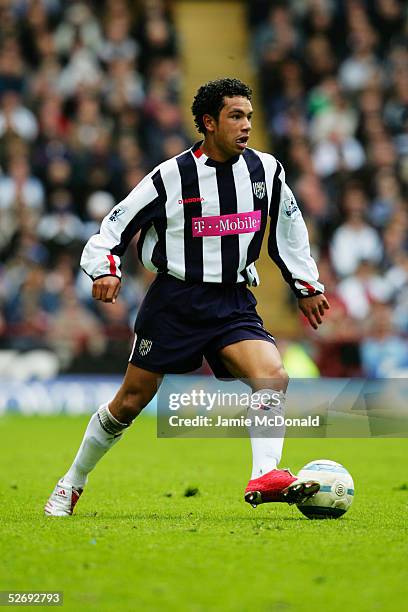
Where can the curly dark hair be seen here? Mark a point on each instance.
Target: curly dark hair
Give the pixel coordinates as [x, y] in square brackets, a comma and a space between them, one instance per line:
[209, 99]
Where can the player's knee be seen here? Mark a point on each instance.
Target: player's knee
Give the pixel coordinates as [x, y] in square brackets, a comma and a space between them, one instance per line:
[276, 378]
[283, 378]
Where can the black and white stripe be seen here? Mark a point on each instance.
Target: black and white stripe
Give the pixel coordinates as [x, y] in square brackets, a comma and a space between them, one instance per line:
[190, 186]
[189, 189]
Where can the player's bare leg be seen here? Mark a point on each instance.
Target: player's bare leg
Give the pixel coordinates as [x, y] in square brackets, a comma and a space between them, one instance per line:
[260, 364]
[104, 429]
[137, 390]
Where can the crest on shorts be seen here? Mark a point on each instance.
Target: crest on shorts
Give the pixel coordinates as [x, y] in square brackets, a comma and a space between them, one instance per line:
[145, 346]
[259, 189]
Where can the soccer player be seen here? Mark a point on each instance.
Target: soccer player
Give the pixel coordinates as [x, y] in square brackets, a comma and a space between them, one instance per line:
[202, 217]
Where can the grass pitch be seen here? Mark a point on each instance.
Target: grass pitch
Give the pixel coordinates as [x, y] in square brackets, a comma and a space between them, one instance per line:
[138, 542]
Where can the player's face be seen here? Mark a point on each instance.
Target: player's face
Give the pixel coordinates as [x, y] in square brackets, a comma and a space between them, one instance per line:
[230, 133]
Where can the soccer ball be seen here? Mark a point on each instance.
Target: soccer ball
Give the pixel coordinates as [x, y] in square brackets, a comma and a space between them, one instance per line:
[336, 489]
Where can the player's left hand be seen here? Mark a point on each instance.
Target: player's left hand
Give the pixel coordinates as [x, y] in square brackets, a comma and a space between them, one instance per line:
[313, 308]
[106, 288]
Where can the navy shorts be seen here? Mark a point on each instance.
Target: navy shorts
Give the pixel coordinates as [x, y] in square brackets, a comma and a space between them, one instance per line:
[181, 322]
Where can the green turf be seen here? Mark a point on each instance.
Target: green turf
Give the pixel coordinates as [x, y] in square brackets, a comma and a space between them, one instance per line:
[137, 543]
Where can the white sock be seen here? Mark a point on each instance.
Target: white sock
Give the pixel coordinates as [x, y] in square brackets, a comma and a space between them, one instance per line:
[102, 433]
[266, 450]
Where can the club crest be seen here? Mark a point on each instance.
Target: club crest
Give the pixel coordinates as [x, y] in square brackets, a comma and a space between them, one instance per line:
[145, 346]
[259, 189]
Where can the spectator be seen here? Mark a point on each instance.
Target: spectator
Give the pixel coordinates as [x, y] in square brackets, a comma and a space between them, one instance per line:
[61, 228]
[20, 188]
[21, 197]
[12, 76]
[386, 199]
[165, 122]
[336, 346]
[397, 277]
[336, 117]
[363, 289]
[118, 45]
[15, 118]
[278, 32]
[81, 71]
[384, 354]
[78, 24]
[354, 240]
[28, 309]
[361, 67]
[124, 86]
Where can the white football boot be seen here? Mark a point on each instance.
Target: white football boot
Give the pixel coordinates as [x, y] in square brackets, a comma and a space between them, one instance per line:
[62, 500]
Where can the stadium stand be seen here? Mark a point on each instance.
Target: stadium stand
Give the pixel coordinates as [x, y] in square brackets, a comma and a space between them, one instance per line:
[90, 101]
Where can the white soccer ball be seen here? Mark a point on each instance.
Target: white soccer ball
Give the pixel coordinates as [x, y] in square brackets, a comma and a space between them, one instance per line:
[336, 489]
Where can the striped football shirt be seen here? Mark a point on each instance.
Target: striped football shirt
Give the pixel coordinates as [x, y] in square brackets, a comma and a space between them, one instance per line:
[204, 221]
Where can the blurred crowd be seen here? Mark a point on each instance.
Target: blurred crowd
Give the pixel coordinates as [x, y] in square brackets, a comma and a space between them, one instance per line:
[89, 102]
[333, 76]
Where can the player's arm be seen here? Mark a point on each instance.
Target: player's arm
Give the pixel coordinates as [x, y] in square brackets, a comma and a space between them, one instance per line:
[101, 257]
[288, 246]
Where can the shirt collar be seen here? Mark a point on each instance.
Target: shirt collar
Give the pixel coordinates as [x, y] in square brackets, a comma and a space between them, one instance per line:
[204, 159]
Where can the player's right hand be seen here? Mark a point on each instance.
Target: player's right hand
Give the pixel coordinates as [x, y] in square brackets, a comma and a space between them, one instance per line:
[106, 288]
